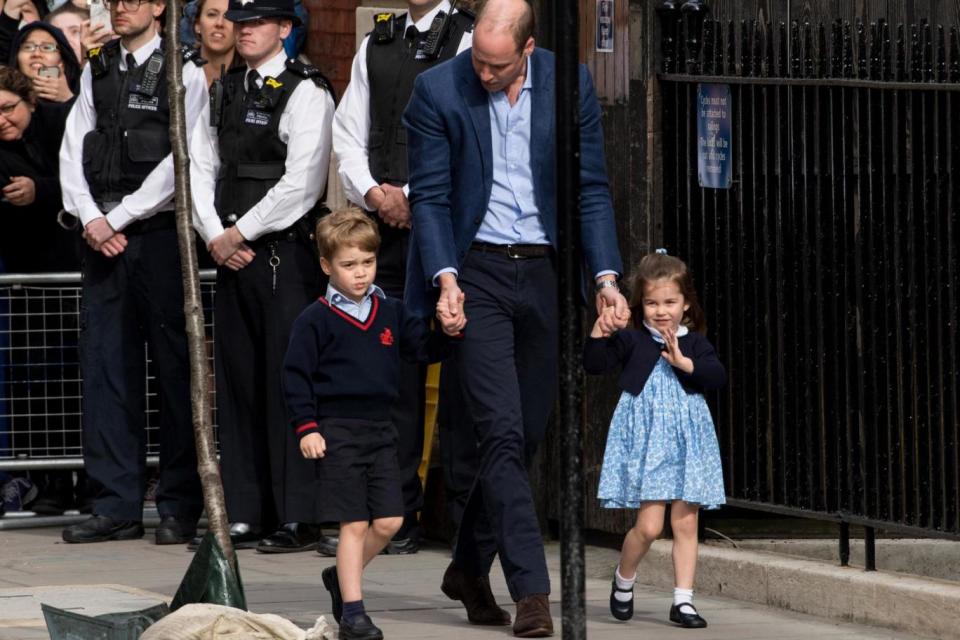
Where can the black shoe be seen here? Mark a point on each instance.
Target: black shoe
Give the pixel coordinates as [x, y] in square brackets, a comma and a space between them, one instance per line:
[622, 610]
[56, 493]
[687, 620]
[173, 531]
[402, 547]
[291, 537]
[102, 528]
[332, 584]
[360, 627]
[327, 545]
[248, 538]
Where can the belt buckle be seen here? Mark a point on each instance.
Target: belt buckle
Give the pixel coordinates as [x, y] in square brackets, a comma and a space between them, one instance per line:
[511, 254]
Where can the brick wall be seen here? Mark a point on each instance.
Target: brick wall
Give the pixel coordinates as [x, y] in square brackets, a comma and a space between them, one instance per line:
[331, 38]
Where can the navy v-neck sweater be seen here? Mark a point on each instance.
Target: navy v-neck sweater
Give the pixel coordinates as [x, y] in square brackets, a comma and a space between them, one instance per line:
[337, 366]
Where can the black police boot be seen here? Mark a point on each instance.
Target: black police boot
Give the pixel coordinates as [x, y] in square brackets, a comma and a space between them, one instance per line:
[407, 539]
[174, 531]
[56, 492]
[242, 535]
[327, 545]
[102, 528]
[291, 537]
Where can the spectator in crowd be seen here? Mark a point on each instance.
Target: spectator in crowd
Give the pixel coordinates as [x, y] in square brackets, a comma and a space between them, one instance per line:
[482, 191]
[69, 18]
[258, 175]
[292, 44]
[42, 53]
[117, 178]
[216, 38]
[14, 14]
[372, 151]
[30, 135]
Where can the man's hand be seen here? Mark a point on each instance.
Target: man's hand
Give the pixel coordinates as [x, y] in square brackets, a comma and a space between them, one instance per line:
[226, 244]
[97, 232]
[93, 38]
[52, 89]
[395, 209]
[313, 446]
[607, 323]
[240, 259]
[611, 297]
[21, 191]
[452, 324]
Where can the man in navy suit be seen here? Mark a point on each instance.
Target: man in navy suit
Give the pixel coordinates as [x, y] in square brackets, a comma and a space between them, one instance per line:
[482, 191]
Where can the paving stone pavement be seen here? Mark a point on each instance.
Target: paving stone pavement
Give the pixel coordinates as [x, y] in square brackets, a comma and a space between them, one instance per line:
[401, 593]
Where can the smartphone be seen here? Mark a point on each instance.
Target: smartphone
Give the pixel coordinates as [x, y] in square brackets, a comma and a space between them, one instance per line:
[100, 14]
[49, 72]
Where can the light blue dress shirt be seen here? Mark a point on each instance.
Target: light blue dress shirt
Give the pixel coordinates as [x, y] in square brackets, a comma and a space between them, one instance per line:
[512, 216]
[359, 310]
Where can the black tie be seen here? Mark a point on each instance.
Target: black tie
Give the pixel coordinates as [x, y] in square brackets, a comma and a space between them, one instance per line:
[253, 84]
[131, 62]
[412, 33]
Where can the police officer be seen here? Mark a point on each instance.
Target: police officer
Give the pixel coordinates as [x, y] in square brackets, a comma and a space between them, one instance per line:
[370, 143]
[117, 177]
[259, 160]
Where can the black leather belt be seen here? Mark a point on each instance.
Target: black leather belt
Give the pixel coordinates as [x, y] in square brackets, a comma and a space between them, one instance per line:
[515, 251]
[159, 221]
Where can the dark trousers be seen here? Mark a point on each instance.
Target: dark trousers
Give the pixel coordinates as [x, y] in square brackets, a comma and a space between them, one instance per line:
[407, 413]
[458, 443]
[136, 297]
[507, 363]
[266, 479]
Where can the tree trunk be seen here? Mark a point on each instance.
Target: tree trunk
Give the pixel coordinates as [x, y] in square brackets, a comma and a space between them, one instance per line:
[207, 464]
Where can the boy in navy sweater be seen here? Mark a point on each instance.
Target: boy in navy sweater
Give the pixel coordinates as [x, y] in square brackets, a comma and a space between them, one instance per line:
[340, 378]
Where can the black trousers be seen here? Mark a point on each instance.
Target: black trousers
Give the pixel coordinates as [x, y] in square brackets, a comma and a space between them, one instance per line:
[136, 297]
[458, 443]
[266, 479]
[408, 412]
[507, 362]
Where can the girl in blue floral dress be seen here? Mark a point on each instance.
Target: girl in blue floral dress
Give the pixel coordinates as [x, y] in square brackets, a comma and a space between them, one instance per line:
[662, 447]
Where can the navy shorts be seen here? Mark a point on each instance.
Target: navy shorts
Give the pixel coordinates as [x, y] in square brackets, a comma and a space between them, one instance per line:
[358, 477]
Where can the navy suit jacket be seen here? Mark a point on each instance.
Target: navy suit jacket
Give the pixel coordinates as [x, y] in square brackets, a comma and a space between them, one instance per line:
[450, 151]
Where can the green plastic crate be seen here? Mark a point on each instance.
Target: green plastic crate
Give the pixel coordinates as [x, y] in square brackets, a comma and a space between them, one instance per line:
[129, 625]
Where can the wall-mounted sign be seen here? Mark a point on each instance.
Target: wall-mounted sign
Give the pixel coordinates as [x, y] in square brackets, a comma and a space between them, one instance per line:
[714, 136]
[605, 26]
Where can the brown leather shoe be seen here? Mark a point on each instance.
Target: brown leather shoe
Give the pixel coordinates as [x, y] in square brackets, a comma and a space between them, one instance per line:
[533, 617]
[474, 592]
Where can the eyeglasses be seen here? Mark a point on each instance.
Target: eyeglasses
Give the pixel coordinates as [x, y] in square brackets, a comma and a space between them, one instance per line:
[129, 5]
[46, 47]
[7, 109]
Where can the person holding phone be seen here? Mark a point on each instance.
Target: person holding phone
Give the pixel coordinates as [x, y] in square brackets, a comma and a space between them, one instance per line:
[42, 53]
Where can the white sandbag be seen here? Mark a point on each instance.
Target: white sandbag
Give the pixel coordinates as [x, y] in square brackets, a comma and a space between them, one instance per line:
[215, 622]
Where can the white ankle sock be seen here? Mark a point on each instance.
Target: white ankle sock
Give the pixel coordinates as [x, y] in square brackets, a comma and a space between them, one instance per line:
[683, 597]
[623, 583]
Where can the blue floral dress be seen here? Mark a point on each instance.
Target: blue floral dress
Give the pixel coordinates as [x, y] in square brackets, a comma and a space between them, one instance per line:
[662, 445]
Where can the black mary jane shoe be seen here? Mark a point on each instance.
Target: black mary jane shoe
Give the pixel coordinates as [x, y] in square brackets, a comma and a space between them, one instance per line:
[290, 538]
[622, 610]
[359, 628]
[332, 584]
[687, 620]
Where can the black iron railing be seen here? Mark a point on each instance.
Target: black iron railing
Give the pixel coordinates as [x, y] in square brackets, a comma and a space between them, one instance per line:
[829, 269]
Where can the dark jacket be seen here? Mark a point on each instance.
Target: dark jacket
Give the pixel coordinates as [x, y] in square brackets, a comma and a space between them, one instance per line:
[31, 240]
[71, 66]
[637, 352]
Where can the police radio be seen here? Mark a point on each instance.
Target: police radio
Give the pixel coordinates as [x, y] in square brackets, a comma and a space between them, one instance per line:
[216, 99]
[437, 35]
[151, 77]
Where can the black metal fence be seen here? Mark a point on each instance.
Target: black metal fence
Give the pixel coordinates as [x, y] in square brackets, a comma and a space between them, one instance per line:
[829, 269]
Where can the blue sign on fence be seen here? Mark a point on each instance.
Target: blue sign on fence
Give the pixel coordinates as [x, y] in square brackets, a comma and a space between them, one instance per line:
[714, 136]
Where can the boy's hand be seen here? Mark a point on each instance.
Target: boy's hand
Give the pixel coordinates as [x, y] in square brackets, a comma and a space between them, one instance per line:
[608, 322]
[313, 446]
[672, 353]
[452, 323]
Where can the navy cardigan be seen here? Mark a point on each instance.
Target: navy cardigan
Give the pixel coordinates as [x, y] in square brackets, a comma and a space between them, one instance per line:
[638, 352]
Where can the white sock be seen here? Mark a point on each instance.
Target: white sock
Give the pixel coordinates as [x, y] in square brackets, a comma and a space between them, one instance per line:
[623, 583]
[684, 597]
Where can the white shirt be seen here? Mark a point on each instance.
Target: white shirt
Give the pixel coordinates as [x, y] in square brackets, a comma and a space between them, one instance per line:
[309, 113]
[351, 126]
[156, 191]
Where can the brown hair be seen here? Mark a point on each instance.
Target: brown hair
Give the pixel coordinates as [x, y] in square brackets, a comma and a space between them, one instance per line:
[660, 266]
[349, 227]
[521, 29]
[15, 82]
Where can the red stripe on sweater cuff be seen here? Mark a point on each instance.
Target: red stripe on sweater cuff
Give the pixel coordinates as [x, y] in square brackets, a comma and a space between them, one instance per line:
[306, 427]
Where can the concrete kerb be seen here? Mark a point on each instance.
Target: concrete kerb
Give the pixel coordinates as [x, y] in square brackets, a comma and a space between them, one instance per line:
[921, 606]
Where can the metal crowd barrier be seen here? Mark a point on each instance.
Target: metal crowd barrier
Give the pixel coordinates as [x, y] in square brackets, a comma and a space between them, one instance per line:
[40, 380]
